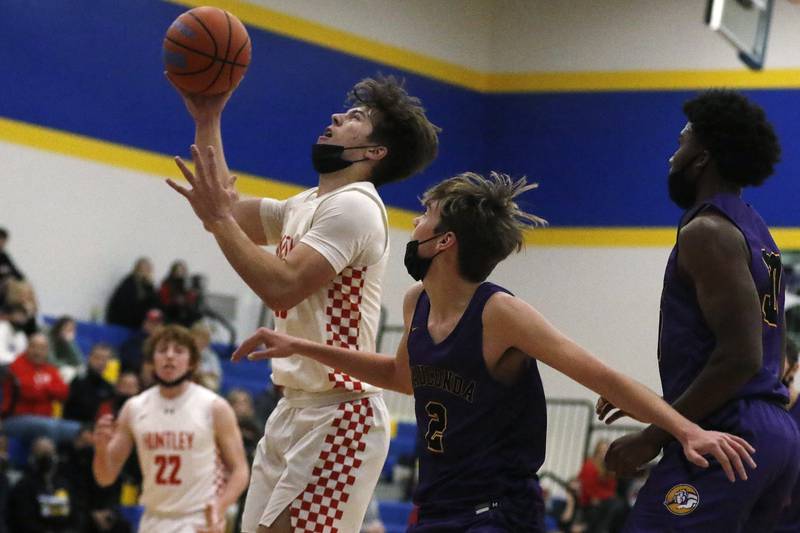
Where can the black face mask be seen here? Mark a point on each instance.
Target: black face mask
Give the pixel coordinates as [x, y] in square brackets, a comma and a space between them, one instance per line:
[418, 266]
[327, 158]
[175, 382]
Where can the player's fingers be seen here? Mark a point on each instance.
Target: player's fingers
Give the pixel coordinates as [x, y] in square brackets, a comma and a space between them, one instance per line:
[738, 446]
[232, 181]
[186, 171]
[720, 454]
[598, 406]
[259, 355]
[736, 460]
[743, 442]
[697, 459]
[211, 165]
[250, 343]
[183, 191]
[199, 166]
[616, 416]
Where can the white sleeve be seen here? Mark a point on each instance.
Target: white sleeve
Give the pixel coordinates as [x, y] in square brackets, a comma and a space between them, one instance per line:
[348, 229]
[271, 212]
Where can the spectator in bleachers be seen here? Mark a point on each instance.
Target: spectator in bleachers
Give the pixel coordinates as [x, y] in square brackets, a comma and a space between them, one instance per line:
[266, 401]
[179, 299]
[133, 297]
[127, 386]
[8, 270]
[241, 402]
[598, 493]
[20, 292]
[88, 392]
[40, 385]
[65, 354]
[130, 353]
[96, 506]
[42, 501]
[13, 339]
[209, 374]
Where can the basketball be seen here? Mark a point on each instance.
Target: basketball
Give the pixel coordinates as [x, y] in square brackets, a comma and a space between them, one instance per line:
[206, 51]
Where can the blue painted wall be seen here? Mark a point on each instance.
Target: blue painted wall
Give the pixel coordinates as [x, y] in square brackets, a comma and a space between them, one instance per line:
[94, 68]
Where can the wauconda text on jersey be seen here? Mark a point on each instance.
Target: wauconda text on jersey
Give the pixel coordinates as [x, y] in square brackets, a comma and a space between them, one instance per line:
[444, 379]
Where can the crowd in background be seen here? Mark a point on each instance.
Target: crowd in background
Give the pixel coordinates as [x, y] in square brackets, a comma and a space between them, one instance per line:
[52, 392]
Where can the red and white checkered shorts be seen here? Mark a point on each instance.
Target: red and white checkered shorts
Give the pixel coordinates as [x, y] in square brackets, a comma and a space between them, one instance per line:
[321, 462]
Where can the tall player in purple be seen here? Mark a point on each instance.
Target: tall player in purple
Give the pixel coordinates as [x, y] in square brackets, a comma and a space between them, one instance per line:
[469, 358]
[721, 333]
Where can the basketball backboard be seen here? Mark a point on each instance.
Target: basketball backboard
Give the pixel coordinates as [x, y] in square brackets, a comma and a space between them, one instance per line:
[745, 23]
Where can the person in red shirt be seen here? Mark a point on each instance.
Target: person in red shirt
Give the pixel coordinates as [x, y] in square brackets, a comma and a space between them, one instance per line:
[598, 492]
[39, 385]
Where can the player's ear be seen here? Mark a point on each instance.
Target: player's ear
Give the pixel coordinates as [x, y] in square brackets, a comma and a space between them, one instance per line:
[703, 159]
[447, 240]
[376, 153]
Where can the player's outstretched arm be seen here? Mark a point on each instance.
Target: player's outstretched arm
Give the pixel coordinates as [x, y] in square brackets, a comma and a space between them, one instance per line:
[527, 330]
[113, 443]
[383, 371]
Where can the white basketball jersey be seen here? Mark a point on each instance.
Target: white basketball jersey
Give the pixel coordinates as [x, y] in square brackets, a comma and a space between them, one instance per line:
[181, 466]
[346, 312]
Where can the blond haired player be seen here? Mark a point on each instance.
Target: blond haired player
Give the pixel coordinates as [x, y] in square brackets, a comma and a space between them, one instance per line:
[324, 284]
[187, 441]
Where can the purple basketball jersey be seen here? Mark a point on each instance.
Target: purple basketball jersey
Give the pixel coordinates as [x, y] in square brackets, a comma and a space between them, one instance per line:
[480, 441]
[685, 340]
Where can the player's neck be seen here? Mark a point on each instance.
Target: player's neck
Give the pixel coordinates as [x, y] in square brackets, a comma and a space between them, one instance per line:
[449, 294]
[714, 185]
[334, 180]
[171, 393]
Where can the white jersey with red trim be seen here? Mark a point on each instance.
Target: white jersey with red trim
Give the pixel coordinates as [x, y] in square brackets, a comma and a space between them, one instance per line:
[349, 227]
[181, 466]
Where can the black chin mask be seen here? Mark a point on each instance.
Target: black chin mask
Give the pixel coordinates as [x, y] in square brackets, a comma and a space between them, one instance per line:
[327, 158]
[418, 266]
[175, 382]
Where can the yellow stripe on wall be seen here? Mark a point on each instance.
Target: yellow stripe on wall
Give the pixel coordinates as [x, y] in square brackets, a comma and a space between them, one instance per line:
[395, 56]
[162, 166]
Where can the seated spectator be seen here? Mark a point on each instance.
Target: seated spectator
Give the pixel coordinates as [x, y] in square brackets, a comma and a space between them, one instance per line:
[265, 403]
[8, 270]
[20, 292]
[598, 494]
[242, 403]
[13, 339]
[87, 392]
[65, 354]
[43, 499]
[40, 385]
[179, 300]
[96, 506]
[209, 373]
[130, 353]
[133, 297]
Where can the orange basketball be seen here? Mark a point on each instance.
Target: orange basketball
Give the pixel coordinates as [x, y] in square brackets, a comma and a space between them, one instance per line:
[206, 51]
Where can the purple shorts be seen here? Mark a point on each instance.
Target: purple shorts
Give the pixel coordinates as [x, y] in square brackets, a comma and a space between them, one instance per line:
[520, 513]
[679, 496]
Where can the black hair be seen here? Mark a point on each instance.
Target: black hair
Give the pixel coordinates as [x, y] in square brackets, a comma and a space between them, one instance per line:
[736, 133]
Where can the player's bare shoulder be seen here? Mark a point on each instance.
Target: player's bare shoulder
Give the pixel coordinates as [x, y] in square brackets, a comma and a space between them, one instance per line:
[710, 234]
